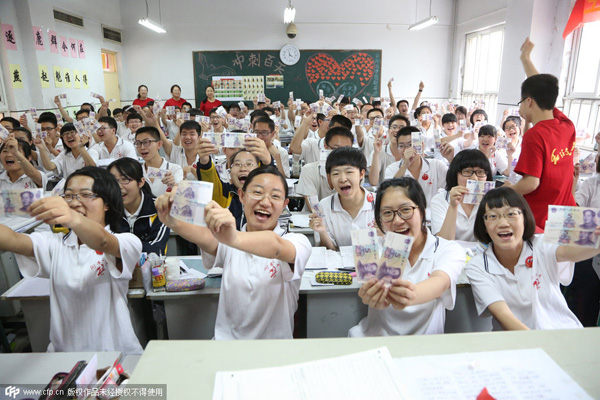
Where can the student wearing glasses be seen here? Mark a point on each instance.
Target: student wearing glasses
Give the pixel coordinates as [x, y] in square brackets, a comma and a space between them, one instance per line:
[380, 160]
[450, 217]
[75, 156]
[140, 217]
[48, 124]
[416, 303]
[89, 267]
[112, 146]
[262, 265]
[517, 279]
[148, 143]
[265, 130]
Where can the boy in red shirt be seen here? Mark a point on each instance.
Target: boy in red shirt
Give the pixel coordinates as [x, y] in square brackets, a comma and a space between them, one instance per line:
[546, 161]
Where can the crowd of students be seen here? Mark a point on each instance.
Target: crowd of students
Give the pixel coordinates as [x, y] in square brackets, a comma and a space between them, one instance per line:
[365, 176]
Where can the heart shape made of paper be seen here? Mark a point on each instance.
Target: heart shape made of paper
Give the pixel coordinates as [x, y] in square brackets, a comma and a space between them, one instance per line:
[350, 77]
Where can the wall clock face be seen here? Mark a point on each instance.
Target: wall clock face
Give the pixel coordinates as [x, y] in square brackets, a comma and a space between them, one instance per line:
[289, 54]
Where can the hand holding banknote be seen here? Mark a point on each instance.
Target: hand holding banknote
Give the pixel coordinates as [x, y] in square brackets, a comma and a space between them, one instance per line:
[56, 211]
[374, 293]
[221, 223]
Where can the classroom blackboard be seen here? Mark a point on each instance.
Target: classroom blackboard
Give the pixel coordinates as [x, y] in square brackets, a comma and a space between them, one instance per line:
[240, 75]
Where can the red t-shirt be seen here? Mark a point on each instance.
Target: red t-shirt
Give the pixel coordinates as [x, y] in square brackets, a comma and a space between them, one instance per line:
[172, 102]
[547, 153]
[206, 106]
[142, 103]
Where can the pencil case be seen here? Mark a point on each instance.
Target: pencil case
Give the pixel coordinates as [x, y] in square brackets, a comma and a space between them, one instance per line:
[337, 278]
[184, 285]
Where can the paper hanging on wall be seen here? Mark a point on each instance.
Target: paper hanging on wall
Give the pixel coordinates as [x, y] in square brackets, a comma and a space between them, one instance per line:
[84, 80]
[67, 77]
[64, 46]
[15, 76]
[58, 81]
[73, 47]
[38, 38]
[76, 79]
[53, 40]
[81, 49]
[8, 33]
[44, 77]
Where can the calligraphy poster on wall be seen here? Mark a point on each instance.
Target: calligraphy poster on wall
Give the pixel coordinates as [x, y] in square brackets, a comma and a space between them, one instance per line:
[44, 77]
[73, 47]
[84, 80]
[53, 39]
[81, 49]
[15, 76]
[57, 73]
[64, 46]
[67, 78]
[76, 79]
[8, 35]
[38, 38]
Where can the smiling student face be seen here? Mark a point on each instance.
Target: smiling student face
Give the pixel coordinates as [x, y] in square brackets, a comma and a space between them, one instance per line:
[262, 214]
[94, 209]
[71, 139]
[241, 166]
[395, 199]
[130, 189]
[189, 138]
[346, 179]
[506, 233]
[149, 150]
[9, 161]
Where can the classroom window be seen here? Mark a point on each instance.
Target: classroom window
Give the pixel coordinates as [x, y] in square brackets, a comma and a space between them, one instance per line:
[581, 103]
[481, 69]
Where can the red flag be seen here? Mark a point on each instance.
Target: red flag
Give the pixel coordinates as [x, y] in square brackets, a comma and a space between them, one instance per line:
[584, 11]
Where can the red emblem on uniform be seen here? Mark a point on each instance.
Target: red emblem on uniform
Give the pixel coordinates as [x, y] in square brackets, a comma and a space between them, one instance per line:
[194, 165]
[370, 197]
[99, 252]
[169, 189]
[425, 177]
[529, 262]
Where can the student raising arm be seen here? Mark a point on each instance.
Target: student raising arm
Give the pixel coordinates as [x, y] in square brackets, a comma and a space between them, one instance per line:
[262, 265]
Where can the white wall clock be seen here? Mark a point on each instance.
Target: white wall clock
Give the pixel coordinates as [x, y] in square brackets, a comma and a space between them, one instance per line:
[289, 54]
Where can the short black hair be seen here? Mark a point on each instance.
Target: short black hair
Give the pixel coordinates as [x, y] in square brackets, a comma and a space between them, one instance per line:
[111, 122]
[257, 113]
[48, 117]
[346, 156]
[191, 125]
[320, 117]
[118, 110]
[131, 169]
[150, 130]
[338, 131]
[23, 129]
[365, 105]
[79, 112]
[106, 187]
[234, 156]
[268, 110]
[498, 198]
[69, 127]
[420, 110]
[400, 102]
[195, 112]
[399, 117]
[15, 122]
[134, 115]
[341, 120]
[213, 111]
[175, 86]
[88, 104]
[374, 110]
[233, 105]
[462, 110]
[469, 158]
[478, 111]
[449, 117]
[488, 130]
[23, 145]
[187, 103]
[543, 88]
[264, 120]
[513, 118]
[411, 189]
[265, 169]
[407, 131]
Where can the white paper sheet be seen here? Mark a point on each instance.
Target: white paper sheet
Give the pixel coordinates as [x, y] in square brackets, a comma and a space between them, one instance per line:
[509, 374]
[190, 272]
[32, 287]
[366, 375]
[300, 220]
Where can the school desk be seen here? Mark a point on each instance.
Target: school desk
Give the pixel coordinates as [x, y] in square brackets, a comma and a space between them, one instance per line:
[188, 367]
[34, 297]
[324, 311]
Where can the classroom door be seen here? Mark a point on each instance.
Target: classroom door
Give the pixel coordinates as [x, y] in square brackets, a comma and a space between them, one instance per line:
[111, 79]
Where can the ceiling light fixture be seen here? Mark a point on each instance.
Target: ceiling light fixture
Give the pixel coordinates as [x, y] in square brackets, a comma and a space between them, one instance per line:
[432, 20]
[289, 14]
[148, 23]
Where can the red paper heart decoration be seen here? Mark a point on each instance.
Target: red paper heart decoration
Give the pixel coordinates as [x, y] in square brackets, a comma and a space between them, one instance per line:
[322, 67]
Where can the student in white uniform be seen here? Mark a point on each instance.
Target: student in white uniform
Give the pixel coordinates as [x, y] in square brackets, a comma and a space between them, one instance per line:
[112, 146]
[148, 143]
[426, 125]
[351, 207]
[430, 173]
[417, 303]
[19, 173]
[264, 128]
[313, 177]
[499, 161]
[450, 217]
[89, 268]
[74, 156]
[517, 279]
[384, 155]
[512, 127]
[310, 148]
[262, 265]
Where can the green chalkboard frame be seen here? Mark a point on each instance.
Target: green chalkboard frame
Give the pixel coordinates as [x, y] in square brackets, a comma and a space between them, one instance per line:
[335, 71]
